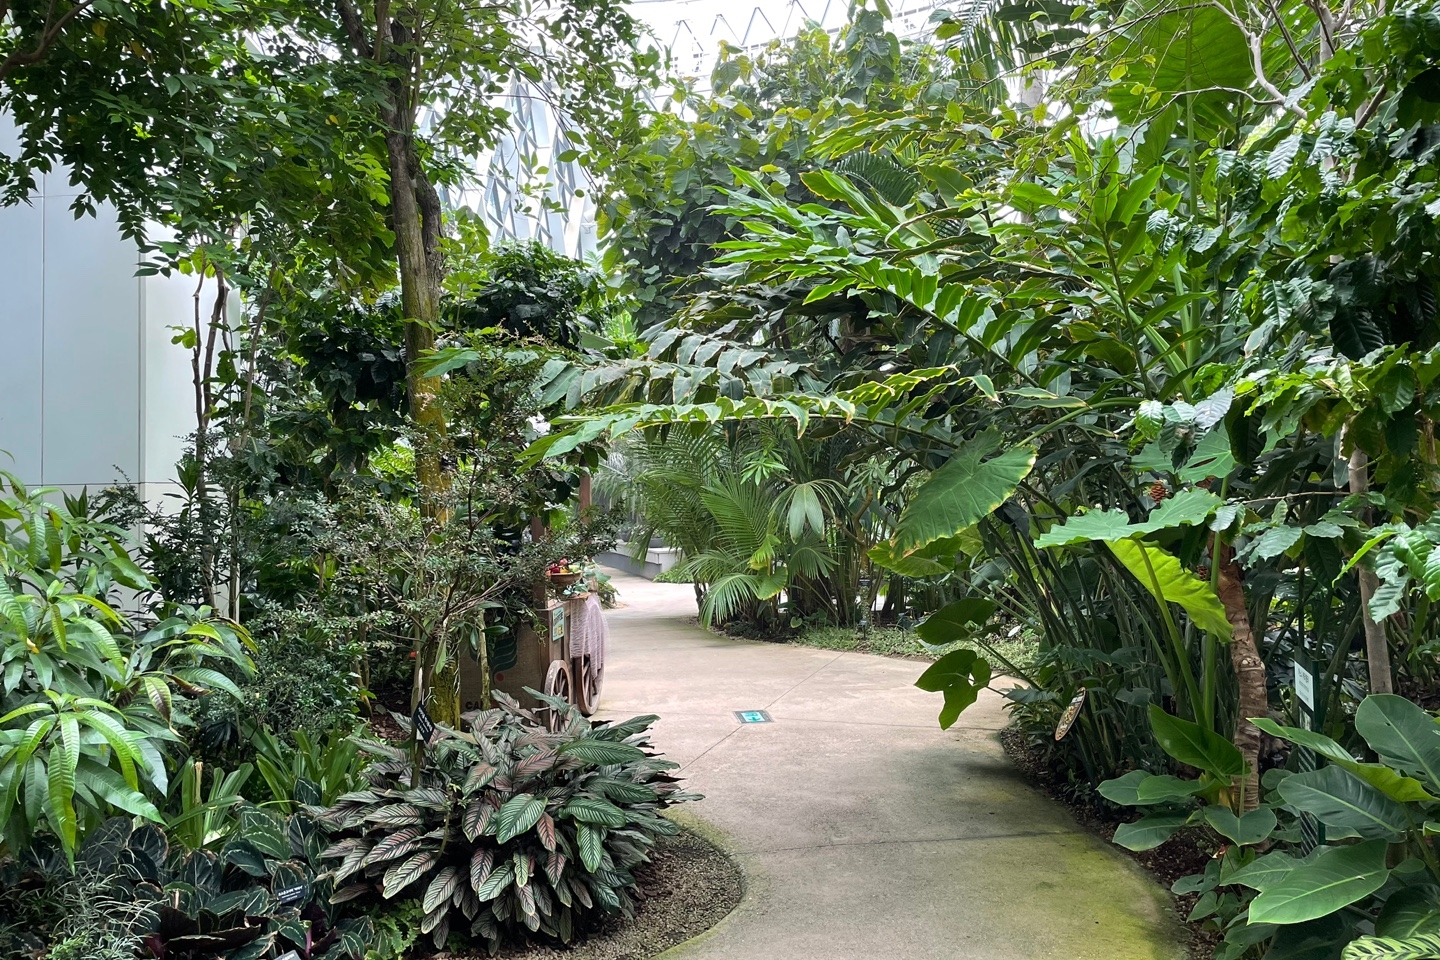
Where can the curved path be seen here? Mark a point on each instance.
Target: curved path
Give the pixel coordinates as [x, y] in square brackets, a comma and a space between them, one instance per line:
[865, 831]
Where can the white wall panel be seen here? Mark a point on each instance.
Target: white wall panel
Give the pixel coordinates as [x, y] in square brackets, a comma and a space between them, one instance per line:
[167, 401]
[92, 351]
[22, 338]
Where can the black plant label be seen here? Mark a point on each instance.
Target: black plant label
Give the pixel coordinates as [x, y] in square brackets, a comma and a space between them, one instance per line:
[288, 896]
[424, 726]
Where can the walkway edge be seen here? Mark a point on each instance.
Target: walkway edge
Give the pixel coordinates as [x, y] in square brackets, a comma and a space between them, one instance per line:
[750, 888]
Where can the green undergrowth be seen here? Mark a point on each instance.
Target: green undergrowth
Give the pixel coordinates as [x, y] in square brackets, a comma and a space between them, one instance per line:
[1022, 650]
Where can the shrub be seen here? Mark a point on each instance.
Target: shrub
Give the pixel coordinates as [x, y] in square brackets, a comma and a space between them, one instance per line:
[136, 892]
[89, 702]
[264, 893]
[304, 682]
[510, 827]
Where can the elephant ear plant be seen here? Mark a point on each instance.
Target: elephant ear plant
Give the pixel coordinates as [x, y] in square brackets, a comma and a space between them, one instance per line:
[1376, 886]
[510, 827]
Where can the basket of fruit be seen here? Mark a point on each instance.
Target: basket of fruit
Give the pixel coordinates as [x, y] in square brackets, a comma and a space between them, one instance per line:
[563, 574]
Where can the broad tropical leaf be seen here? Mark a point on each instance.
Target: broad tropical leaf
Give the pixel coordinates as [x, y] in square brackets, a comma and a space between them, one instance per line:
[1169, 582]
[1150, 831]
[967, 488]
[1343, 802]
[1403, 734]
[1196, 746]
[1339, 876]
[1265, 871]
[1394, 785]
[955, 621]
[960, 675]
[1254, 827]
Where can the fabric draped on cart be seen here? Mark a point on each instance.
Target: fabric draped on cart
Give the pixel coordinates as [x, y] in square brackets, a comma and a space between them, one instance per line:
[585, 629]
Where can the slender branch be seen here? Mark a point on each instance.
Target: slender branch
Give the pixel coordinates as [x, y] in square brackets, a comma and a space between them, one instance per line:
[48, 37]
[355, 29]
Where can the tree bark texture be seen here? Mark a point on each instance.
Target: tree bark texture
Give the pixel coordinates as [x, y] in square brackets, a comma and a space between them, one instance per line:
[1253, 700]
[1377, 646]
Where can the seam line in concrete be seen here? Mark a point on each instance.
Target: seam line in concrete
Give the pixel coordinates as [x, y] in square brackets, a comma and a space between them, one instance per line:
[700, 756]
[801, 683]
[1020, 835]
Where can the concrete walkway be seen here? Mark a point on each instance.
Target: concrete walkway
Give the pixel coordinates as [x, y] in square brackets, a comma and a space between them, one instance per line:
[865, 831]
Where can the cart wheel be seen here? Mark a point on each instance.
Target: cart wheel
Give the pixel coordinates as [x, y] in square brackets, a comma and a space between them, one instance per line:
[557, 684]
[589, 679]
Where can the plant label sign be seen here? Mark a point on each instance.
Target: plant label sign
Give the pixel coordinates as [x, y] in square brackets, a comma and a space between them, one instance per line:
[288, 955]
[424, 726]
[1304, 684]
[290, 895]
[1071, 714]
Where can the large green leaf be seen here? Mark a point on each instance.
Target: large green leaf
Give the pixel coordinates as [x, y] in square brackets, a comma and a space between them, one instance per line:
[1167, 789]
[1192, 49]
[955, 621]
[1404, 735]
[1393, 784]
[1187, 508]
[1338, 877]
[1339, 799]
[966, 489]
[1196, 746]
[1254, 827]
[1169, 582]
[960, 675]
[1149, 832]
[1409, 913]
[1264, 872]
[1125, 790]
[1112, 524]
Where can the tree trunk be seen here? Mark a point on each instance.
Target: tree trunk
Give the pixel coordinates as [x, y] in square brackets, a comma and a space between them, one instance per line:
[415, 210]
[1249, 676]
[1377, 647]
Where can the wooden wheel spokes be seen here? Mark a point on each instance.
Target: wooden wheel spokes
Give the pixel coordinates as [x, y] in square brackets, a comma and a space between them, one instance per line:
[589, 679]
[558, 684]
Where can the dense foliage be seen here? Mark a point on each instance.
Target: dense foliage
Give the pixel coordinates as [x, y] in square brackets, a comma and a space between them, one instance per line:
[1111, 325]
[1146, 364]
[90, 704]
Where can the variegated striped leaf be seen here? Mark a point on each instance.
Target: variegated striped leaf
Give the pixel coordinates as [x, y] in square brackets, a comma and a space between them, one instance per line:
[442, 887]
[401, 875]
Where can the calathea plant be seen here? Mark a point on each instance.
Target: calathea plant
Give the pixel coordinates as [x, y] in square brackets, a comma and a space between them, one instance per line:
[1376, 886]
[510, 827]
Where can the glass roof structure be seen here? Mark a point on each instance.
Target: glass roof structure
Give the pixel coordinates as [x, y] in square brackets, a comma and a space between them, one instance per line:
[512, 179]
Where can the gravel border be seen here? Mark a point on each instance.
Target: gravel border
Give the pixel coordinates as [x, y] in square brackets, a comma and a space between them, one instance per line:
[688, 886]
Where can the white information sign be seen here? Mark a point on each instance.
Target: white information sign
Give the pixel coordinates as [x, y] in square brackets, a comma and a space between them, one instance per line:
[1304, 685]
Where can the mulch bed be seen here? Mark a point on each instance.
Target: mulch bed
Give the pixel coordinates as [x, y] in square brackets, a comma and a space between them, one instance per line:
[1180, 856]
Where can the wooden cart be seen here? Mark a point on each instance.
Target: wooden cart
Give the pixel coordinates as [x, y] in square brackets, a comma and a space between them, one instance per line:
[564, 658]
